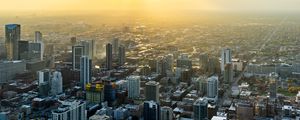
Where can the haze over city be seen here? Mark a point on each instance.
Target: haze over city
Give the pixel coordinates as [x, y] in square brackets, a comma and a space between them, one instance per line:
[150, 59]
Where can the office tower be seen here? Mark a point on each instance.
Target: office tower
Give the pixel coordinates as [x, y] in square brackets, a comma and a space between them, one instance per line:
[200, 109]
[39, 39]
[95, 93]
[109, 56]
[44, 75]
[77, 53]
[56, 83]
[228, 73]
[225, 58]
[152, 91]
[115, 46]
[110, 93]
[151, 110]
[170, 62]
[70, 110]
[212, 87]
[35, 51]
[166, 113]
[153, 64]
[12, 37]
[183, 61]
[204, 61]
[88, 48]
[133, 86]
[202, 85]
[245, 111]
[273, 85]
[121, 55]
[8, 70]
[85, 71]
[161, 66]
[23, 50]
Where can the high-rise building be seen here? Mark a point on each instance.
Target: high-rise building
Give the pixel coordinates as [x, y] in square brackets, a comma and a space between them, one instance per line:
[202, 85]
[225, 58]
[39, 39]
[133, 86]
[273, 85]
[109, 58]
[228, 73]
[152, 91]
[77, 53]
[85, 71]
[44, 75]
[204, 61]
[166, 113]
[12, 38]
[115, 46]
[23, 50]
[56, 83]
[110, 92]
[212, 87]
[183, 61]
[170, 62]
[161, 66]
[200, 109]
[151, 110]
[35, 51]
[89, 48]
[122, 55]
[95, 93]
[70, 110]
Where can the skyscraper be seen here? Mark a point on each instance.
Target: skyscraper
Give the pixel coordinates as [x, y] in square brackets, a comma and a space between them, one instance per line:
[88, 48]
[115, 46]
[44, 75]
[133, 87]
[12, 37]
[23, 50]
[121, 55]
[183, 61]
[38, 39]
[225, 58]
[77, 53]
[228, 73]
[204, 61]
[85, 71]
[166, 113]
[200, 109]
[109, 56]
[56, 83]
[273, 85]
[151, 110]
[152, 91]
[212, 87]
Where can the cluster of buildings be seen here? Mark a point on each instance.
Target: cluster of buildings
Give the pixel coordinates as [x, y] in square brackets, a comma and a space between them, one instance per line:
[163, 84]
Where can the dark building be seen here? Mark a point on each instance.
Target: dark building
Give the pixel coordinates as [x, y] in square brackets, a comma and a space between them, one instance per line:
[77, 52]
[151, 110]
[23, 50]
[109, 58]
[121, 55]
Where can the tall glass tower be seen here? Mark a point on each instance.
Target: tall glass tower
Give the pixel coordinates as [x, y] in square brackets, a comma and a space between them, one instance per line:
[12, 37]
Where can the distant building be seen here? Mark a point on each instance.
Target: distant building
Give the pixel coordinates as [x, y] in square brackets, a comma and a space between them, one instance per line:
[77, 53]
[12, 37]
[23, 50]
[166, 113]
[39, 39]
[151, 110]
[121, 55]
[204, 61]
[115, 46]
[245, 111]
[89, 48]
[225, 58]
[273, 85]
[152, 91]
[133, 86]
[228, 73]
[212, 87]
[183, 61]
[200, 109]
[44, 75]
[35, 51]
[70, 110]
[85, 71]
[109, 58]
[170, 62]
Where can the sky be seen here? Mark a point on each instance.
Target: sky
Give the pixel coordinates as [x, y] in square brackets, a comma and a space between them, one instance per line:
[154, 5]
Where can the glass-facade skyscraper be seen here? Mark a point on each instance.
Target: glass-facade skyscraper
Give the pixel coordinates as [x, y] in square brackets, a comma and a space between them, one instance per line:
[12, 37]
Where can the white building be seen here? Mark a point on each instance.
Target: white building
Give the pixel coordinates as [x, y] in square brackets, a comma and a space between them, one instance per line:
[212, 87]
[70, 110]
[133, 86]
[57, 83]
